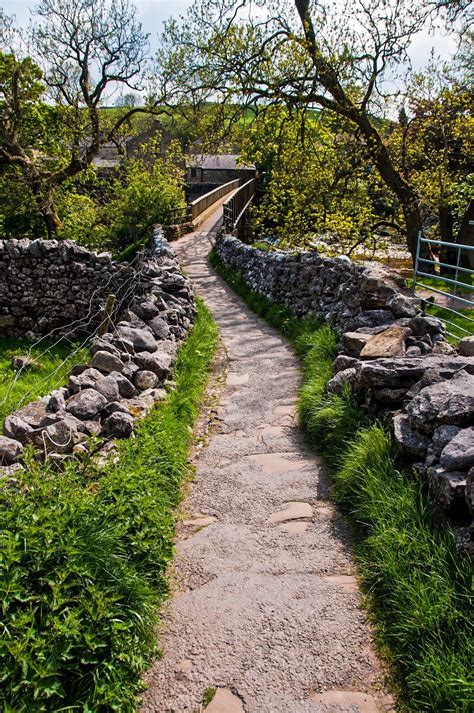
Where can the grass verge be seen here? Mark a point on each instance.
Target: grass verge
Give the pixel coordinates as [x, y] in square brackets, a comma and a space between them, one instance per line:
[52, 363]
[84, 554]
[419, 588]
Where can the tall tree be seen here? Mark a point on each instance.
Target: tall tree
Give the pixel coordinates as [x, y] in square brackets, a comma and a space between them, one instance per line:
[304, 54]
[52, 123]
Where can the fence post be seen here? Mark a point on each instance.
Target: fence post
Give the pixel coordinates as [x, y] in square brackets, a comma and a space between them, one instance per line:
[417, 258]
[107, 315]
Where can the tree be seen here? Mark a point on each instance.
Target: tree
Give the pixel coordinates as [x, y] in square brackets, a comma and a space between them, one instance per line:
[51, 121]
[307, 54]
[317, 180]
[129, 99]
[434, 148]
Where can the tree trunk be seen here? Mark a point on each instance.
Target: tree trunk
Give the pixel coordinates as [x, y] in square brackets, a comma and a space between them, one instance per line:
[465, 236]
[446, 254]
[395, 181]
[45, 204]
[51, 220]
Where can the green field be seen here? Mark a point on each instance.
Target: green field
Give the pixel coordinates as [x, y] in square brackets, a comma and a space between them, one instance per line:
[52, 363]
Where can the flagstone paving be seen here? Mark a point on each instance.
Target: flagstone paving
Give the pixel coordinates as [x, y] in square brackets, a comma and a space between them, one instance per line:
[267, 608]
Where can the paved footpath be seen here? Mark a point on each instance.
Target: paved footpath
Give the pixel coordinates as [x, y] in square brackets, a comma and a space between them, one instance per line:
[266, 607]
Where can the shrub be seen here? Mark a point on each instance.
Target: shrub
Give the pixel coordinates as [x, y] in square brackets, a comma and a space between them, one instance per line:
[144, 196]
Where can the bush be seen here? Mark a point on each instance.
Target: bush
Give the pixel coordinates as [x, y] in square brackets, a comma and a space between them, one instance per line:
[143, 197]
[84, 553]
[19, 215]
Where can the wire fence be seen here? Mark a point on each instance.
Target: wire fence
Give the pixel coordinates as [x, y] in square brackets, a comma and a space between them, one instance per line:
[87, 326]
[449, 293]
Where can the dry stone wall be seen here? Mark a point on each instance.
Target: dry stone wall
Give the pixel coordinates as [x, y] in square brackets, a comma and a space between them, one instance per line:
[394, 358]
[46, 285]
[129, 368]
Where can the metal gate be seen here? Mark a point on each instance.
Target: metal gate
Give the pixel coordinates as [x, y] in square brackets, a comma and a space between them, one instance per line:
[452, 297]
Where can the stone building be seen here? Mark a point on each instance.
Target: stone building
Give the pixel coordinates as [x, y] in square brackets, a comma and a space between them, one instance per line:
[216, 169]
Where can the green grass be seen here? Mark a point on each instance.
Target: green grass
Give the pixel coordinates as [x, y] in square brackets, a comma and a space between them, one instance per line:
[419, 588]
[455, 323]
[53, 363]
[459, 322]
[84, 554]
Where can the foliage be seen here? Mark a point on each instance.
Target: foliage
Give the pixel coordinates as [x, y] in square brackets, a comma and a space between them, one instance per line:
[84, 553]
[318, 181]
[418, 586]
[342, 58]
[52, 363]
[433, 146]
[51, 125]
[19, 214]
[148, 189]
[148, 192]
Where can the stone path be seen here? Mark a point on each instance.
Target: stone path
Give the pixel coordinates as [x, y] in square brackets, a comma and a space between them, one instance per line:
[266, 607]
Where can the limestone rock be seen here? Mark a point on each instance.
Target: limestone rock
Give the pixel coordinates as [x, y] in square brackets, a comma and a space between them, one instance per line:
[342, 361]
[389, 343]
[466, 346]
[342, 380]
[145, 380]
[408, 438]
[16, 428]
[146, 310]
[353, 342]
[104, 344]
[60, 437]
[114, 407]
[160, 328]
[158, 362]
[403, 305]
[35, 414]
[118, 425]
[447, 402]
[142, 340]
[107, 362]
[155, 394]
[57, 400]
[125, 387]
[442, 435]
[86, 404]
[448, 489]
[85, 380]
[108, 387]
[426, 325]
[10, 450]
[139, 406]
[458, 454]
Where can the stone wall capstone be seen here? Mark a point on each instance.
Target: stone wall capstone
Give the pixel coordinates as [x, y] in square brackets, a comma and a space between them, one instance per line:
[393, 357]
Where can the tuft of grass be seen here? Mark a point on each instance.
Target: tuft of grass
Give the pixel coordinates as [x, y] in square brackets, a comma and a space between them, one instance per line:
[208, 696]
[52, 365]
[419, 588]
[84, 554]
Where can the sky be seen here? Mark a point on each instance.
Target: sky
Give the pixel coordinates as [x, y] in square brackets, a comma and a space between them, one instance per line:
[152, 13]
